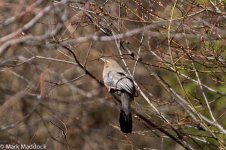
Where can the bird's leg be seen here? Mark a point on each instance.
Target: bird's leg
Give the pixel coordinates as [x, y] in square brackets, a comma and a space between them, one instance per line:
[114, 91]
[110, 89]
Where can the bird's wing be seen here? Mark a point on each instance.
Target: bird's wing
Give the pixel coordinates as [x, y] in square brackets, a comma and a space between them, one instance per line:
[120, 81]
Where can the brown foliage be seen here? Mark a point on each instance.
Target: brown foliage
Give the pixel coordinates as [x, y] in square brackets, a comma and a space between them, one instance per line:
[51, 89]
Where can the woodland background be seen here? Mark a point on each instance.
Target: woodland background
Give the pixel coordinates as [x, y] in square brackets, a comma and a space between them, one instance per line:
[51, 89]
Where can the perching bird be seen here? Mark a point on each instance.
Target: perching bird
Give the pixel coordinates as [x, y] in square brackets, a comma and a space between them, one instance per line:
[121, 84]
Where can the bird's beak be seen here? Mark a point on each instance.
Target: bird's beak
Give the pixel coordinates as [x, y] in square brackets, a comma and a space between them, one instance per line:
[103, 59]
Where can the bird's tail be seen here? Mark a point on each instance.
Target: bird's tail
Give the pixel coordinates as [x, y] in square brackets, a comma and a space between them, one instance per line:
[125, 118]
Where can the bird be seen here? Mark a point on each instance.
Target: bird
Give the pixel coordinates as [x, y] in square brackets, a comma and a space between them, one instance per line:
[120, 83]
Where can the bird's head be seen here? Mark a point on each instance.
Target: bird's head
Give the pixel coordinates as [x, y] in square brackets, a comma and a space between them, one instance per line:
[109, 62]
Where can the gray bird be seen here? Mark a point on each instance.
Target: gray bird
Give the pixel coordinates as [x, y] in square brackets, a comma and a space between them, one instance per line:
[120, 83]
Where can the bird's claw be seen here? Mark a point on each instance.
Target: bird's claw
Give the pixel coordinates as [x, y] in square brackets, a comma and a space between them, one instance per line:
[110, 89]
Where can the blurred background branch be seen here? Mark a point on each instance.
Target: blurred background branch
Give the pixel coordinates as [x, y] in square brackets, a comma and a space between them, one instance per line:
[51, 89]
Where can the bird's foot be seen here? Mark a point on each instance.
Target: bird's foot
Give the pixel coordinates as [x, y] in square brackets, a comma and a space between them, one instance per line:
[111, 89]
